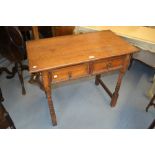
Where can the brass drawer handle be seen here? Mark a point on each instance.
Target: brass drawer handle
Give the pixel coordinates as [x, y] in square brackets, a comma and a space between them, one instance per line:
[109, 65]
[70, 75]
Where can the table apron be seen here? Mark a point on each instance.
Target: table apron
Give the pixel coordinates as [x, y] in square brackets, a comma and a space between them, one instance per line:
[86, 69]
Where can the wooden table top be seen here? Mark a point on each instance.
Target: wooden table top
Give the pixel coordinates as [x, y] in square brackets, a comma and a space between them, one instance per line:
[56, 52]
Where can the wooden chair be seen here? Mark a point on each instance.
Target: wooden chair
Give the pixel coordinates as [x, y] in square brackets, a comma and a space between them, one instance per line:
[12, 47]
[151, 103]
[152, 125]
[5, 119]
[147, 58]
[62, 30]
[26, 32]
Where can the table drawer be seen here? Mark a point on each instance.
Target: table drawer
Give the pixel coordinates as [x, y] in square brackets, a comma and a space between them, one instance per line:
[107, 64]
[68, 73]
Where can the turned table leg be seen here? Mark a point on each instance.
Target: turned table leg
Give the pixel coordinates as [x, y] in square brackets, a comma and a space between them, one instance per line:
[119, 81]
[117, 88]
[96, 79]
[47, 87]
[114, 96]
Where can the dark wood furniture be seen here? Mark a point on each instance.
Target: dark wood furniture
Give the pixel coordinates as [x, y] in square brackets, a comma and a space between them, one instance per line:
[26, 32]
[152, 125]
[151, 103]
[55, 31]
[5, 119]
[62, 30]
[70, 57]
[4, 69]
[12, 47]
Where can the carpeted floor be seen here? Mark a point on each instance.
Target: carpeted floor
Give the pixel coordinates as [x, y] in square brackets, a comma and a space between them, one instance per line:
[81, 104]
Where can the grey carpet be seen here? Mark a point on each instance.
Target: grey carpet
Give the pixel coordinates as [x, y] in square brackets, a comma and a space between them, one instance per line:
[81, 104]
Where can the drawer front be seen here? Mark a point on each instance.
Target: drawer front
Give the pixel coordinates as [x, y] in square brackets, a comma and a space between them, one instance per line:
[107, 65]
[115, 63]
[68, 73]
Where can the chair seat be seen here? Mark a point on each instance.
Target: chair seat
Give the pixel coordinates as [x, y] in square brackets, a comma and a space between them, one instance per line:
[12, 47]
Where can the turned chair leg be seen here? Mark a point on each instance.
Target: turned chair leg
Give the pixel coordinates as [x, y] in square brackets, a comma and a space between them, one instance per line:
[4, 69]
[20, 75]
[1, 97]
[13, 72]
[151, 103]
[152, 125]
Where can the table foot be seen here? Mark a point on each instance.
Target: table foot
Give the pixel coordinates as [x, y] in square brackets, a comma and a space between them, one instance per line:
[52, 112]
[114, 99]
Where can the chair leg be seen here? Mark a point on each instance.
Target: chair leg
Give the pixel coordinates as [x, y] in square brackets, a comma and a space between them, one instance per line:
[14, 71]
[18, 68]
[152, 89]
[152, 125]
[20, 75]
[11, 74]
[4, 69]
[151, 103]
[1, 97]
[25, 67]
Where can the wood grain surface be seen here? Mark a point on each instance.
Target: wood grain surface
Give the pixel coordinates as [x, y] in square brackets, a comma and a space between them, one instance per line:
[57, 52]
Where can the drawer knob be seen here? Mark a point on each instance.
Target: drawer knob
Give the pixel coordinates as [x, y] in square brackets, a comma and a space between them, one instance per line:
[70, 75]
[109, 65]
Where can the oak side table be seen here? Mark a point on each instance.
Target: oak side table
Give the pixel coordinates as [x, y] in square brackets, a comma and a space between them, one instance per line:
[71, 57]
